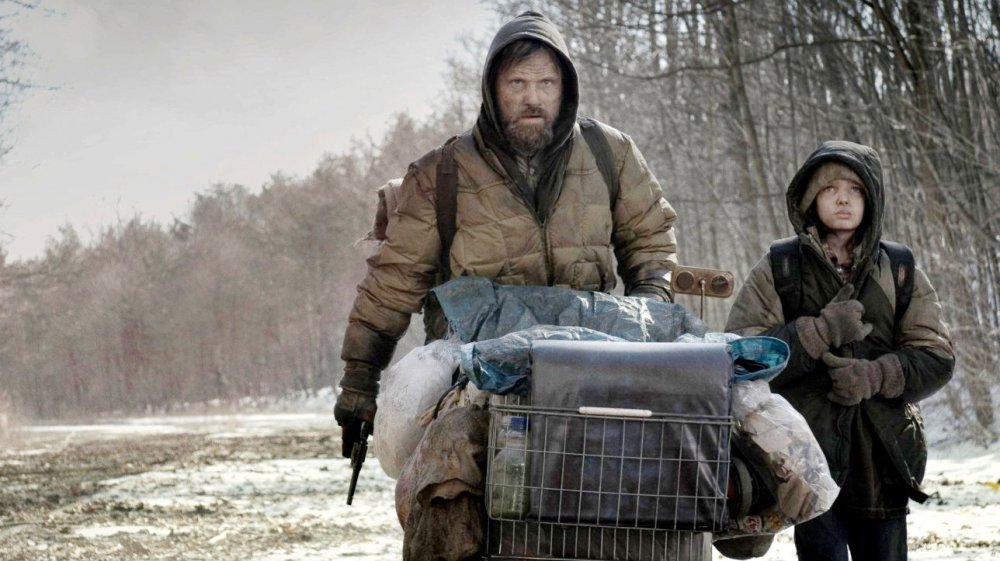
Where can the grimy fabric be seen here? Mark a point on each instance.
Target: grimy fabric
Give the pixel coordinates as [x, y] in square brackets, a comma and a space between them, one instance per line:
[876, 449]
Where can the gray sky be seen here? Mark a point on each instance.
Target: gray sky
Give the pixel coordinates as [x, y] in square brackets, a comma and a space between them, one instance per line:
[158, 100]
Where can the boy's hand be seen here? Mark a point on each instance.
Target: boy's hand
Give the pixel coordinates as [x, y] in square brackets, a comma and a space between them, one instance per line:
[838, 324]
[857, 379]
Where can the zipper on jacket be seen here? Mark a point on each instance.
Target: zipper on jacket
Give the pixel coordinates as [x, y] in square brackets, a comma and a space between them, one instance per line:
[550, 276]
[543, 229]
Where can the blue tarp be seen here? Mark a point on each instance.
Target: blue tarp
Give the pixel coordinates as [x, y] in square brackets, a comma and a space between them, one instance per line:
[499, 322]
[478, 309]
[503, 365]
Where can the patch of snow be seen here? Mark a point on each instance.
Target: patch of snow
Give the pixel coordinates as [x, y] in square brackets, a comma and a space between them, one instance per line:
[960, 521]
[305, 499]
[221, 426]
[92, 532]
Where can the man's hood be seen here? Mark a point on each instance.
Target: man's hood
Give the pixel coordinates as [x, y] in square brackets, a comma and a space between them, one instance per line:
[529, 25]
[865, 162]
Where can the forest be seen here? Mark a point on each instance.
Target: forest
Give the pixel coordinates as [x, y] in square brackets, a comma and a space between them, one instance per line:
[248, 294]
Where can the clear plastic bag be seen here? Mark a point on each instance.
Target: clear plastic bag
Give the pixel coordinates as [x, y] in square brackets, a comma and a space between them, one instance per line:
[781, 437]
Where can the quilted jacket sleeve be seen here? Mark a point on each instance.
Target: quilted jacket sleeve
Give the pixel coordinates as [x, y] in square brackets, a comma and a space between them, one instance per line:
[923, 343]
[643, 236]
[403, 268]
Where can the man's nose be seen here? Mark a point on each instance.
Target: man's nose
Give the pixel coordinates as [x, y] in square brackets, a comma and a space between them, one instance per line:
[531, 96]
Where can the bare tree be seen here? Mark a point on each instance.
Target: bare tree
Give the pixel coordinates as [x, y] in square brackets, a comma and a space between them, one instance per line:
[13, 55]
[726, 97]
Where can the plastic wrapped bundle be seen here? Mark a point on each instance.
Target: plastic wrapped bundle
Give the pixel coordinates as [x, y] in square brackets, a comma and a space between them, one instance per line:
[779, 437]
[409, 387]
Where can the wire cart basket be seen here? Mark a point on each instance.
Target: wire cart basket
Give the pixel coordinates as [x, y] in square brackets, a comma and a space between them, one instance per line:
[603, 482]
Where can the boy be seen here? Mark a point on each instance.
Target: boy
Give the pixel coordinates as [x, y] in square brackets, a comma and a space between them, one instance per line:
[867, 341]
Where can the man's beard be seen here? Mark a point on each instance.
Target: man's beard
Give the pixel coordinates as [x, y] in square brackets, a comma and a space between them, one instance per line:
[527, 138]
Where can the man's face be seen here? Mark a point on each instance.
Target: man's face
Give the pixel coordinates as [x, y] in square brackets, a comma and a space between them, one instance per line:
[841, 205]
[530, 94]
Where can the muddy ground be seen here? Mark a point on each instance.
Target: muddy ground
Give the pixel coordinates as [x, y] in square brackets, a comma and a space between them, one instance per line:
[273, 488]
[197, 493]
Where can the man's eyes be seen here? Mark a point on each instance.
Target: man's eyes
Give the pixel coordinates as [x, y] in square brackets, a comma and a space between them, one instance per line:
[520, 83]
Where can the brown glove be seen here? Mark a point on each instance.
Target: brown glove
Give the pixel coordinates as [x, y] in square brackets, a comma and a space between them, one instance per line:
[355, 404]
[857, 379]
[838, 324]
[366, 353]
[650, 280]
[651, 293]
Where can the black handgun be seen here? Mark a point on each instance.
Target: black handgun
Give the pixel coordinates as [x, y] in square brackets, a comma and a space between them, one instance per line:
[358, 453]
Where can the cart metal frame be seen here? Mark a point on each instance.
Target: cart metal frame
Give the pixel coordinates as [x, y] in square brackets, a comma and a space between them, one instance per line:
[610, 484]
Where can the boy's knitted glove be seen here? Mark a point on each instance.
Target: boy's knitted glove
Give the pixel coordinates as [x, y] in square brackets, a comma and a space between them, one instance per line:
[838, 323]
[856, 379]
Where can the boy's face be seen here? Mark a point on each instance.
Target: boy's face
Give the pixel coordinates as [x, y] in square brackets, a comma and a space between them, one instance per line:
[840, 205]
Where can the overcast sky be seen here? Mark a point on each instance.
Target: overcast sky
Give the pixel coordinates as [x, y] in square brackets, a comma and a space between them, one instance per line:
[158, 100]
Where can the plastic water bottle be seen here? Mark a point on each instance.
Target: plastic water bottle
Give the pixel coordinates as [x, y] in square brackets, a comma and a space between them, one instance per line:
[509, 494]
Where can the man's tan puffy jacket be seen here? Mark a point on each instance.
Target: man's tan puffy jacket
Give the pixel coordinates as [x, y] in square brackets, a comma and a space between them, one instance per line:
[500, 237]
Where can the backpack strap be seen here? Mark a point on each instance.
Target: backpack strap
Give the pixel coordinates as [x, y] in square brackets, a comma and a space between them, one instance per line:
[599, 146]
[446, 207]
[787, 271]
[902, 263]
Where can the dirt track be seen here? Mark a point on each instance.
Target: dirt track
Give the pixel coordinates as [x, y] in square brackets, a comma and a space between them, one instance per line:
[198, 494]
[273, 488]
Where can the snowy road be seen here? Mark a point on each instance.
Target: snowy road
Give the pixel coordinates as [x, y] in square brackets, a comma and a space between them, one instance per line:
[271, 488]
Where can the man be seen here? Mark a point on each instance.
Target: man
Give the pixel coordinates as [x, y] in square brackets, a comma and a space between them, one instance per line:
[532, 209]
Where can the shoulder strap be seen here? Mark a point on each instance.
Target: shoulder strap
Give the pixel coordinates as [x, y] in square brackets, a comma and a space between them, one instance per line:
[902, 263]
[446, 206]
[599, 146]
[786, 269]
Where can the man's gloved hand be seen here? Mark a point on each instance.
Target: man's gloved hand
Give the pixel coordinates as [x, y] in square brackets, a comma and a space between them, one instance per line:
[838, 323]
[651, 293]
[355, 405]
[857, 379]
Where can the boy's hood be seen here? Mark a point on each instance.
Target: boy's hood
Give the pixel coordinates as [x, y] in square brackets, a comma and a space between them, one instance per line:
[867, 165]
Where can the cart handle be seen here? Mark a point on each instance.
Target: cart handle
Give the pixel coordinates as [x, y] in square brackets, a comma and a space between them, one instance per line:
[615, 412]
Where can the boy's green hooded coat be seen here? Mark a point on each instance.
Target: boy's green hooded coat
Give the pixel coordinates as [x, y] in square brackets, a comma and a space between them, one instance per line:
[879, 444]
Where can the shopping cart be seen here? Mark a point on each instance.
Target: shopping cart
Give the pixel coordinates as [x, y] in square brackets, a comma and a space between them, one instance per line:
[621, 453]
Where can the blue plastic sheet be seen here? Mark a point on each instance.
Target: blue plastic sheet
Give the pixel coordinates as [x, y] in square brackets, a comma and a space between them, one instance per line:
[499, 322]
[478, 309]
[758, 358]
[502, 365]
[754, 358]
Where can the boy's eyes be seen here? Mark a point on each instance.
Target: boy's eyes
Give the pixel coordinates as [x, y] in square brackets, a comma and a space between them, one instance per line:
[856, 190]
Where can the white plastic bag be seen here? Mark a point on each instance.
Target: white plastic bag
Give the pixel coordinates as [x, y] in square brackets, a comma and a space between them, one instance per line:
[409, 387]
